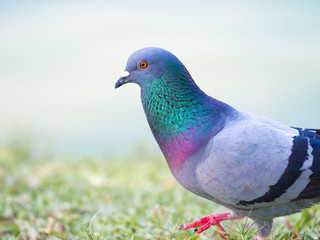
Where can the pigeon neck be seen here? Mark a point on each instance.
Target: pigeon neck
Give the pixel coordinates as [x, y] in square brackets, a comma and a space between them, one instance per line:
[182, 117]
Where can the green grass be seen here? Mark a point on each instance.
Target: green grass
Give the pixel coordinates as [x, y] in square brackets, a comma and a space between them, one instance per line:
[132, 197]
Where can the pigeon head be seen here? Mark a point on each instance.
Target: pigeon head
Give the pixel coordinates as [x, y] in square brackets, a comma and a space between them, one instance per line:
[148, 65]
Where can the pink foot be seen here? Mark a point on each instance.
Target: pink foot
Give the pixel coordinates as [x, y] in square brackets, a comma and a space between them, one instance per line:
[214, 219]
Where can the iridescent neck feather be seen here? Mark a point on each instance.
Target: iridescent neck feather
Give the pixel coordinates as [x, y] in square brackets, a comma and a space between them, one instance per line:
[181, 116]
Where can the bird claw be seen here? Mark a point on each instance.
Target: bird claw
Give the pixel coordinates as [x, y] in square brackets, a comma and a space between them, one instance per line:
[223, 235]
[204, 223]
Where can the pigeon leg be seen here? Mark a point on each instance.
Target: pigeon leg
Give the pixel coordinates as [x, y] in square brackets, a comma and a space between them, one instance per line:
[213, 219]
[264, 228]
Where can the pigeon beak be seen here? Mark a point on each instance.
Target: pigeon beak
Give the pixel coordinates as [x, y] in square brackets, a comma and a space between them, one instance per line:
[123, 79]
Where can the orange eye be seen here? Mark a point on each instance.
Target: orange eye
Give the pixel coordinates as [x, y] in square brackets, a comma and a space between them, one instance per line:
[142, 64]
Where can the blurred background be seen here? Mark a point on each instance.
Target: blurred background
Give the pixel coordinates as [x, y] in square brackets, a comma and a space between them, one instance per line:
[59, 61]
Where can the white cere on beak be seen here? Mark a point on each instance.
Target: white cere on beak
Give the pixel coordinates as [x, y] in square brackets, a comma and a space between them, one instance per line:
[125, 74]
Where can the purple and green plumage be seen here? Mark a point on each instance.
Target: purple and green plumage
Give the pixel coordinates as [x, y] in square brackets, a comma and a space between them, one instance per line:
[181, 116]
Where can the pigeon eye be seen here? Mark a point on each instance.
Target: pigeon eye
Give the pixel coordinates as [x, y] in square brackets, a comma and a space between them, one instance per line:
[142, 64]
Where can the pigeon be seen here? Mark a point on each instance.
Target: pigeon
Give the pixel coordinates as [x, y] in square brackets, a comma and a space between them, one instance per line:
[255, 166]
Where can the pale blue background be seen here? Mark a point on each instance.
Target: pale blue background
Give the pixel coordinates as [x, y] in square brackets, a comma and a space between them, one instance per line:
[59, 61]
